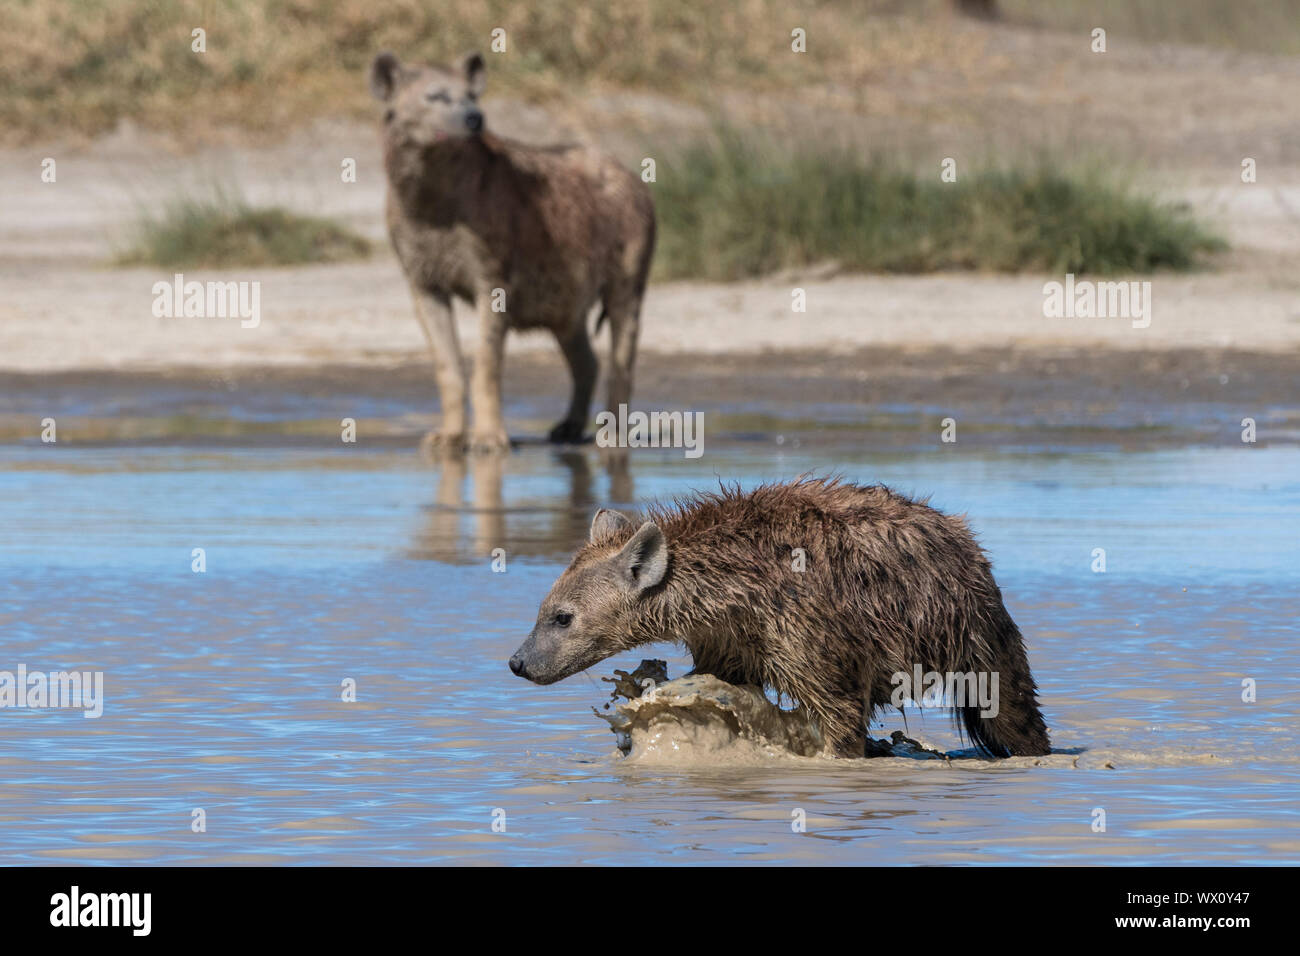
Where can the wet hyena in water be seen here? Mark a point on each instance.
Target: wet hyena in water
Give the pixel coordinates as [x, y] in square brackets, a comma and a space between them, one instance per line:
[889, 584]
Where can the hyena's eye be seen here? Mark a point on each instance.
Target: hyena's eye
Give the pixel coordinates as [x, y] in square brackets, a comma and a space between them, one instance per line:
[436, 96]
[563, 618]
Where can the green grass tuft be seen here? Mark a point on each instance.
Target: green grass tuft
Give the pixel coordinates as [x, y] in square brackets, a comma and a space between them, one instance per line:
[222, 232]
[737, 206]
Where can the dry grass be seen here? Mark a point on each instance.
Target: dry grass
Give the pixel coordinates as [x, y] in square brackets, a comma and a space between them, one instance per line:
[1261, 26]
[80, 68]
[270, 63]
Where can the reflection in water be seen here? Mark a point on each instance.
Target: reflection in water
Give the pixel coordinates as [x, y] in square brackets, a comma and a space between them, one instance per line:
[470, 519]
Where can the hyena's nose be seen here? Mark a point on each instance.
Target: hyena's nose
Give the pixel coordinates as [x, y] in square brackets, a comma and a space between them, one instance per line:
[517, 666]
[474, 123]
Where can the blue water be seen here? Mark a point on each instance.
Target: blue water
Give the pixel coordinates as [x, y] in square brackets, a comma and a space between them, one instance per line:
[222, 688]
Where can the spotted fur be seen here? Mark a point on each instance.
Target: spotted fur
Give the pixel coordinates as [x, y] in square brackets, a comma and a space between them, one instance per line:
[533, 237]
[889, 583]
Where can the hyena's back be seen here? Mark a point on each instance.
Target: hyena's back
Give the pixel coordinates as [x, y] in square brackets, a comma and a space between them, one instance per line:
[888, 584]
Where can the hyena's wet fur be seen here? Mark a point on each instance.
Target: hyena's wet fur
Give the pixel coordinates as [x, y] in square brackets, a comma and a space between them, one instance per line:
[544, 233]
[889, 583]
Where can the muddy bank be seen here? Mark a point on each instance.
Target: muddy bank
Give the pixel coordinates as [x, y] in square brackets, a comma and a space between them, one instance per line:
[997, 397]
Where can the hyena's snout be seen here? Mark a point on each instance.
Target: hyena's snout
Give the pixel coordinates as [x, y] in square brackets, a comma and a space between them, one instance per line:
[517, 665]
[529, 662]
[547, 657]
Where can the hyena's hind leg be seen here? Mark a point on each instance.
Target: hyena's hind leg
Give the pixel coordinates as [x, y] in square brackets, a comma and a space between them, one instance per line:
[624, 312]
[583, 366]
[1018, 728]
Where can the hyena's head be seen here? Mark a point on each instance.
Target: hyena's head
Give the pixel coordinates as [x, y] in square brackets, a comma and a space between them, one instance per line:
[590, 612]
[424, 105]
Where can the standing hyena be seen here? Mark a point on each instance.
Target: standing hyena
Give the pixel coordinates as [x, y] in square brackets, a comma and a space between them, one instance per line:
[887, 584]
[533, 237]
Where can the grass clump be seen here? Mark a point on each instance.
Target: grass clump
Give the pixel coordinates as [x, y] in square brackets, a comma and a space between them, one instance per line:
[220, 232]
[737, 206]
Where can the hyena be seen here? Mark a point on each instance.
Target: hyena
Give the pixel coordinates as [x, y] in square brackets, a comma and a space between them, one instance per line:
[533, 237]
[887, 584]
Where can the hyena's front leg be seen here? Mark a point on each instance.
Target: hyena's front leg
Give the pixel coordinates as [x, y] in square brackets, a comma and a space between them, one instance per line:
[624, 328]
[845, 729]
[436, 320]
[841, 707]
[489, 431]
[576, 345]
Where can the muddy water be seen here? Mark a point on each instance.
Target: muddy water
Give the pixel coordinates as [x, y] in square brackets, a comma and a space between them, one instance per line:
[324, 564]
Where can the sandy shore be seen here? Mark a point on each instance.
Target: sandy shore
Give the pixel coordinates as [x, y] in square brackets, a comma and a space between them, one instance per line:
[52, 318]
[62, 308]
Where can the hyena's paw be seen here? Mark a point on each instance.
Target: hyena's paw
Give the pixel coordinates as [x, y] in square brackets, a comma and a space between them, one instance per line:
[489, 441]
[566, 433]
[435, 443]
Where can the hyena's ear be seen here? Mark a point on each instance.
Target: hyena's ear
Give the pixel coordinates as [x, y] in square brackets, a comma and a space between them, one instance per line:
[385, 70]
[644, 559]
[475, 73]
[608, 522]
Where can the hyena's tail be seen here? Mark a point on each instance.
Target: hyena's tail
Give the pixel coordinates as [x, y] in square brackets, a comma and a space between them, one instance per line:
[1017, 728]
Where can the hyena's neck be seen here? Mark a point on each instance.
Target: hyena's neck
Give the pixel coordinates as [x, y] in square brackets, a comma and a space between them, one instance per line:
[447, 180]
[691, 607]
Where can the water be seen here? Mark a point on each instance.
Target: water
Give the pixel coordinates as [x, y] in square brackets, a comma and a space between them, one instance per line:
[223, 689]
